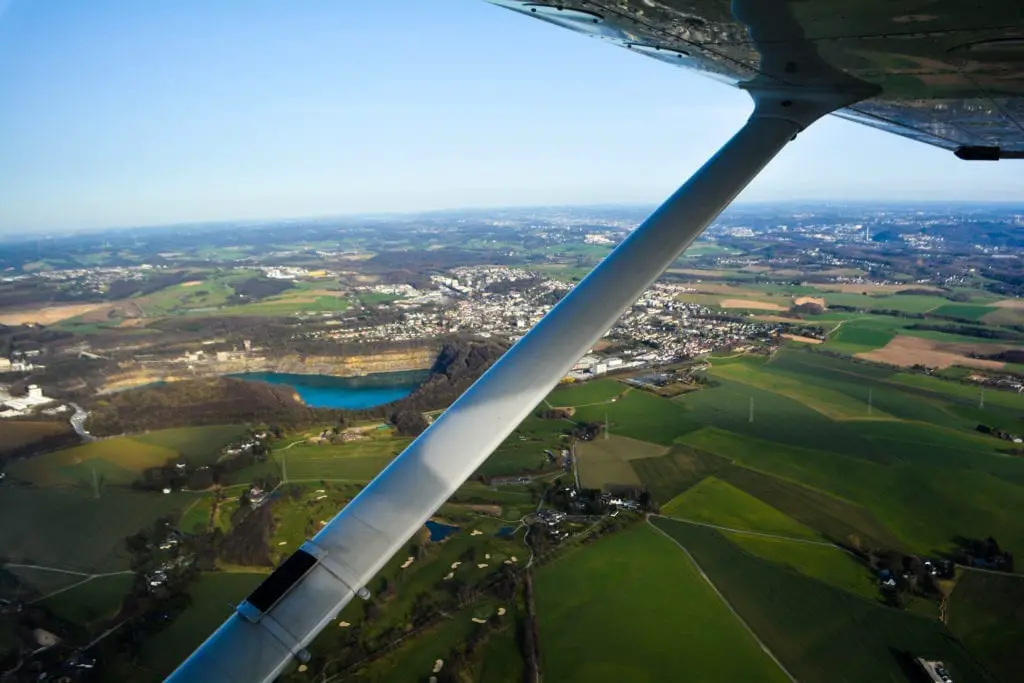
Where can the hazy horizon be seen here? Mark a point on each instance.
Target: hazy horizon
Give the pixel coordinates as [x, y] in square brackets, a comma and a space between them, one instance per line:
[169, 113]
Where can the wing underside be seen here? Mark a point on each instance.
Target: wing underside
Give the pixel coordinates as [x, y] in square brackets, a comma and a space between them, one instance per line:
[950, 73]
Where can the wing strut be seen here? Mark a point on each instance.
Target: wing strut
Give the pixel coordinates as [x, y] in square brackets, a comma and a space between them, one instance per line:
[274, 624]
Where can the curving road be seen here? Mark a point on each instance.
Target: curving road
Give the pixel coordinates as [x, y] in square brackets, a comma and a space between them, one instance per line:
[78, 422]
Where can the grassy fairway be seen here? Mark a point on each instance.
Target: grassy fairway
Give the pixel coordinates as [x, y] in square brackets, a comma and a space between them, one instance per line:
[413, 661]
[826, 563]
[117, 461]
[607, 461]
[718, 503]
[986, 611]
[821, 634]
[631, 607]
[68, 528]
[355, 461]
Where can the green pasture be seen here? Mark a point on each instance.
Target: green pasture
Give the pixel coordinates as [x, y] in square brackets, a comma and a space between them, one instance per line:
[198, 445]
[986, 611]
[826, 563]
[638, 415]
[631, 607]
[819, 632]
[69, 528]
[117, 461]
[92, 603]
[607, 460]
[213, 595]
[926, 507]
[718, 503]
[594, 391]
[353, 461]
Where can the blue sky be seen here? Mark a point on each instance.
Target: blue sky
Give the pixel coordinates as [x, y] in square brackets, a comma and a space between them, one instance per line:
[160, 111]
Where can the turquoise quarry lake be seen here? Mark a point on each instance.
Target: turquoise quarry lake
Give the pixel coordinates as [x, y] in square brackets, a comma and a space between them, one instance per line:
[347, 393]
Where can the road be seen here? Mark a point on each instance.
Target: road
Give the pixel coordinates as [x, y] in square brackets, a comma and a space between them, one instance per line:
[78, 422]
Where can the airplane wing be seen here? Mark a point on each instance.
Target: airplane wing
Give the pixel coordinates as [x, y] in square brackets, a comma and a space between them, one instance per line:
[950, 73]
[939, 71]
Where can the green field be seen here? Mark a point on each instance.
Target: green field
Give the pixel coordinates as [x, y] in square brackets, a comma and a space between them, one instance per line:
[196, 514]
[631, 607]
[926, 507]
[93, 602]
[502, 661]
[639, 415]
[828, 401]
[968, 391]
[827, 563]
[121, 460]
[607, 460]
[594, 391]
[523, 450]
[718, 503]
[986, 611]
[198, 445]
[820, 633]
[836, 519]
[669, 475]
[213, 594]
[967, 311]
[860, 334]
[118, 461]
[43, 580]
[354, 461]
[69, 529]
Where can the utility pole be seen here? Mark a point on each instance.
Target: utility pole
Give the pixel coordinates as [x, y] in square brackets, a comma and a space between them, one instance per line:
[751, 410]
[606, 425]
[869, 400]
[284, 468]
[95, 485]
[981, 399]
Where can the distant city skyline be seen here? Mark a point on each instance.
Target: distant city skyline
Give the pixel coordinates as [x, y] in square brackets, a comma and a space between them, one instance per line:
[167, 112]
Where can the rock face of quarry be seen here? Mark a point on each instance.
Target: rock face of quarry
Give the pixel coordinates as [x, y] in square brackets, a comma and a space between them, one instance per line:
[354, 365]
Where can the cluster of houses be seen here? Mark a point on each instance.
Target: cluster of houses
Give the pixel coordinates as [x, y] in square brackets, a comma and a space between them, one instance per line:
[170, 545]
